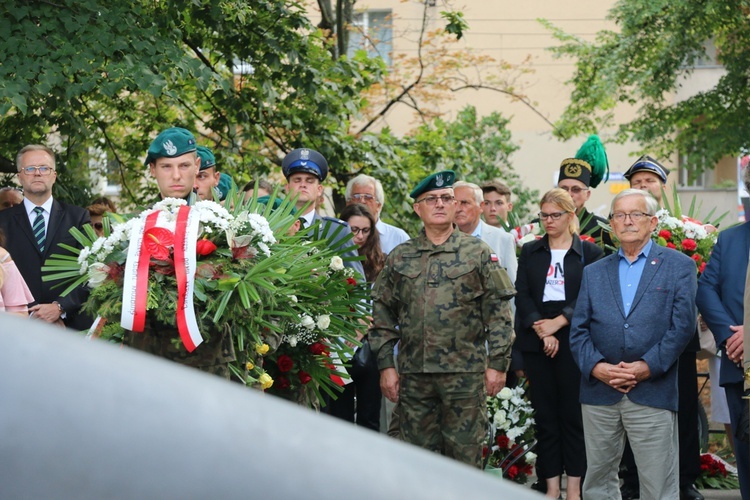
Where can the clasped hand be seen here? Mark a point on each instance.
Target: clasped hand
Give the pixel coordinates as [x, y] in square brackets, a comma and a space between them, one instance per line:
[622, 376]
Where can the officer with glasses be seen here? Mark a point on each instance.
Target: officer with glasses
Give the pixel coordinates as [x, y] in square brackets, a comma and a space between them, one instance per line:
[35, 229]
[445, 297]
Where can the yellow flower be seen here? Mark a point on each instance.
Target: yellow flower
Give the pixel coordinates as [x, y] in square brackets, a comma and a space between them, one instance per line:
[249, 366]
[265, 381]
[261, 349]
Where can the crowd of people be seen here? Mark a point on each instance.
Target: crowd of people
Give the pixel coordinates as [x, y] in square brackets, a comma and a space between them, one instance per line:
[603, 325]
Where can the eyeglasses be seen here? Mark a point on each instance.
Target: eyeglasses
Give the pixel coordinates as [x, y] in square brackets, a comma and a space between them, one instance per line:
[363, 197]
[431, 201]
[574, 189]
[553, 215]
[356, 230]
[41, 170]
[497, 203]
[634, 216]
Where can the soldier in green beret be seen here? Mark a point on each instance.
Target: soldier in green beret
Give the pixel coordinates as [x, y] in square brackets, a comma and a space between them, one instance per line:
[207, 180]
[449, 296]
[173, 162]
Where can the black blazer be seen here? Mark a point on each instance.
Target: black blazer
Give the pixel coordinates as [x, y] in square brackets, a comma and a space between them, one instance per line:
[533, 265]
[21, 244]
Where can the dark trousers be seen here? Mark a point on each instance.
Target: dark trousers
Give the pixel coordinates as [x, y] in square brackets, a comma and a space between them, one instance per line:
[554, 389]
[687, 421]
[735, 403]
[365, 386]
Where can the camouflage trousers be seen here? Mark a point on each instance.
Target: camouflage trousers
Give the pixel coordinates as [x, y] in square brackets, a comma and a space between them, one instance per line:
[445, 413]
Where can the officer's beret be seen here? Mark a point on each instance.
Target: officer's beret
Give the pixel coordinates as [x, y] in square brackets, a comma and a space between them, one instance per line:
[647, 164]
[305, 160]
[225, 184]
[171, 143]
[207, 157]
[276, 203]
[438, 180]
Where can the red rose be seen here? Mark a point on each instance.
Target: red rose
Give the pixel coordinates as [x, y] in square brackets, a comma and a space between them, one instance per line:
[697, 258]
[512, 472]
[689, 244]
[671, 245]
[318, 349]
[702, 268]
[528, 469]
[282, 383]
[351, 281]
[304, 377]
[666, 234]
[285, 363]
[205, 247]
[503, 441]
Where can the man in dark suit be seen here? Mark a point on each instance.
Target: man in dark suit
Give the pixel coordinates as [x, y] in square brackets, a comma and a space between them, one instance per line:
[635, 315]
[35, 229]
[720, 301]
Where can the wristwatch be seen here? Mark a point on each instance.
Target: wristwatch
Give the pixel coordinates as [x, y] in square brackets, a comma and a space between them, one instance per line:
[59, 307]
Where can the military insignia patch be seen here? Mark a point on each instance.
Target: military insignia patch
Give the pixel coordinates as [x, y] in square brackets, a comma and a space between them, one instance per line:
[170, 148]
[494, 258]
[304, 154]
[439, 180]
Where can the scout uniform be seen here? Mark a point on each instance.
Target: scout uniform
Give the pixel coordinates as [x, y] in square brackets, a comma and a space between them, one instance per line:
[217, 349]
[450, 302]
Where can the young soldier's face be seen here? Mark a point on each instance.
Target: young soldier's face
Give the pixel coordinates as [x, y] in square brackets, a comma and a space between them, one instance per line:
[176, 176]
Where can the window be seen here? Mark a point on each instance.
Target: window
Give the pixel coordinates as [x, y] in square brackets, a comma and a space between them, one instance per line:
[372, 31]
[689, 177]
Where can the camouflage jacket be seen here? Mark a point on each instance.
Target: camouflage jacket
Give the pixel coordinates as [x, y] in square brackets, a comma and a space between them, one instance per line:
[451, 305]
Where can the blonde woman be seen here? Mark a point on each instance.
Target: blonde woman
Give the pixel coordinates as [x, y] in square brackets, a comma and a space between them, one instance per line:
[549, 278]
[15, 296]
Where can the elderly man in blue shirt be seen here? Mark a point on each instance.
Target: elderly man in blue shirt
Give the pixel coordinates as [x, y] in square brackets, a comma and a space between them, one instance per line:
[635, 315]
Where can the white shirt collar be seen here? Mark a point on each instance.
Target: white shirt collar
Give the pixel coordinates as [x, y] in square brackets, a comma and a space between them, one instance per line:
[29, 206]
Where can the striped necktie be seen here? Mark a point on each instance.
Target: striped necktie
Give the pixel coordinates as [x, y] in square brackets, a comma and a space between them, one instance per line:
[38, 228]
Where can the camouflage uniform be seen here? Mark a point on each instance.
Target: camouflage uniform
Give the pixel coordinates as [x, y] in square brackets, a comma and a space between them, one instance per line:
[450, 303]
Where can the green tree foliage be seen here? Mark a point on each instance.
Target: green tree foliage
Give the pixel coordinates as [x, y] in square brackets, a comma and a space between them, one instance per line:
[646, 59]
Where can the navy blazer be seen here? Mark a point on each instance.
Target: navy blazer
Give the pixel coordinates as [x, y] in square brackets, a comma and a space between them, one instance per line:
[21, 245]
[721, 290]
[659, 325]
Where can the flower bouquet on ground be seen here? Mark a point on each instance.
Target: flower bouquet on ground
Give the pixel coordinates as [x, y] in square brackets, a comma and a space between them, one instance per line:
[279, 308]
[512, 435]
[684, 233]
[716, 474]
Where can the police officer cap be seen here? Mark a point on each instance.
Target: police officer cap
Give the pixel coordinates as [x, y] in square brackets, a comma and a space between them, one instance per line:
[438, 180]
[208, 160]
[171, 143]
[647, 164]
[305, 160]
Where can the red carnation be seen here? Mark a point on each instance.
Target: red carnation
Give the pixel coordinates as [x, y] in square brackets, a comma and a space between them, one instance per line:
[317, 348]
[666, 234]
[304, 377]
[702, 268]
[282, 383]
[351, 281]
[204, 247]
[670, 245]
[285, 363]
[689, 244]
[697, 258]
[528, 469]
[503, 441]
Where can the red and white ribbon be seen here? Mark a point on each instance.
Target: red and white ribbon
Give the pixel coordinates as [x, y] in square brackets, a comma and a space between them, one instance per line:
[135, 277]
[185, 264]
[341, 369]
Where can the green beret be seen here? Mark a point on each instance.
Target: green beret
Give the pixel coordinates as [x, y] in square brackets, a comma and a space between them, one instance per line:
[208, 160]
[438, 180]
[225, 184]
[276, 203]
[171, 143]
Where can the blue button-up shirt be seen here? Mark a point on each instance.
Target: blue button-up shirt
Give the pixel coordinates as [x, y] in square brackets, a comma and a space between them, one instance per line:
[630, 275]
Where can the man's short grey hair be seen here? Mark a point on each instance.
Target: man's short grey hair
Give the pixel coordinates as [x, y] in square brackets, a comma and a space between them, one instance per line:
[34, 147]
[478, 193]
[365, 180]
[652, 206]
